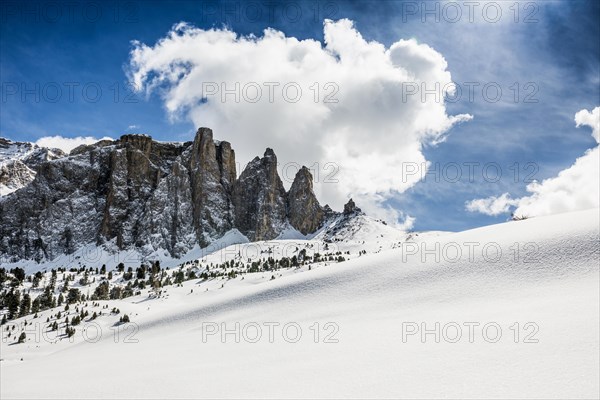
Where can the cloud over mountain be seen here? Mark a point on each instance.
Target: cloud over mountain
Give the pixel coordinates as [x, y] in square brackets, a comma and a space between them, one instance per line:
[352, 110]
[66, 144]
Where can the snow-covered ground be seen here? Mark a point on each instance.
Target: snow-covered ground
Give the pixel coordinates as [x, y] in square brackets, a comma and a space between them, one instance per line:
[509, 310]
[356, 232]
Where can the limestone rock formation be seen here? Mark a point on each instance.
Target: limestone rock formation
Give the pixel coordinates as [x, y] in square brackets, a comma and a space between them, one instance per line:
[304, 211]
[152, 198]
[19, 162]
[259, 199]
[350, 208]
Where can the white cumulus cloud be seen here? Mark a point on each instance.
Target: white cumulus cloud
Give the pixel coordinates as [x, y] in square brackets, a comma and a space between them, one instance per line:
[67, 144]
[349, 112]
[493, 205]
[574, 188]
[591, 119]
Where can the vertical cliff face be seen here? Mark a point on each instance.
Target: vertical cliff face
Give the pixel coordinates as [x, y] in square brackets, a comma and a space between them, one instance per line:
[151, 197]
[137, 165]
[259, 199]
[304, 211]
[212, 170]
[59, 211]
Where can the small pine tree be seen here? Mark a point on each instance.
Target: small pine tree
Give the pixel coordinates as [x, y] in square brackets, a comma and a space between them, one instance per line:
[125, 319]
[22, 337]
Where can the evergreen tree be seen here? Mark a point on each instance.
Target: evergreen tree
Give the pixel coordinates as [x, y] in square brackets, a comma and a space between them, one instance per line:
[65, 286]
[141, 272]
[116, 293]
[85, 280]
[101, 292]
[35, 305]
[13, 300]
[22, 337]
[52, 284]
[36, 279]
[19, 274]
[73, 295]
[156, 267]
[179, 277]
[25, 305]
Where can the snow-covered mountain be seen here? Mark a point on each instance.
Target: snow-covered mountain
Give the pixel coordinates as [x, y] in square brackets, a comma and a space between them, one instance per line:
[155, 199]
[155, 267]
[504, 311]
[19, 162]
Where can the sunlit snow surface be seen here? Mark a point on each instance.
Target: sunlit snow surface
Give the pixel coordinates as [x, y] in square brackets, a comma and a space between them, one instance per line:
[541, 273]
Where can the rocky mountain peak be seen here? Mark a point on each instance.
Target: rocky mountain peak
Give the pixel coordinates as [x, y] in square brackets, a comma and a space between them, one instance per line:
[270, 154]
[139, 141]
[259, 199]
[304, 211]
[19, 163]
[350, 208]
[212, 171]
[151, 197]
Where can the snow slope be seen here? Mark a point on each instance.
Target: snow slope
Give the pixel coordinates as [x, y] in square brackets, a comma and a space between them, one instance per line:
[354, 233]
[541, 273]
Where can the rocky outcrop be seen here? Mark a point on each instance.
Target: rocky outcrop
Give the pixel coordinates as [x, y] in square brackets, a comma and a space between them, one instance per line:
[136, 166]
[350, 208]
[304, 211]
[19, 162]
[13, 176]
[151, 197]
[259, 199]
[212, 170]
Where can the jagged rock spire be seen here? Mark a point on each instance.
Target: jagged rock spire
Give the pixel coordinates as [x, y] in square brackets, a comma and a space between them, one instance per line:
[304, 211]
[139, 194]
[350, 208]
[259, 199]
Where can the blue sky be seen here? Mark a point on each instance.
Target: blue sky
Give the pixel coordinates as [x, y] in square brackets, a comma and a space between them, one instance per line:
[52, 44]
